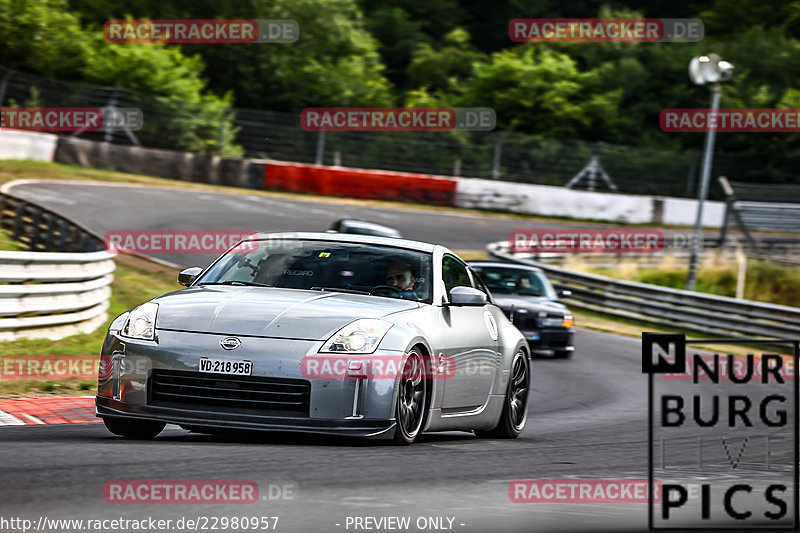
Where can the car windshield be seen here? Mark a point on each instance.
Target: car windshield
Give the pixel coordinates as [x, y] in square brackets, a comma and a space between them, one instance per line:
[325, 266]
[516, 281]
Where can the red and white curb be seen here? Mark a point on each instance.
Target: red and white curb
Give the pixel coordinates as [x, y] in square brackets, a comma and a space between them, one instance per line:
[61, 410]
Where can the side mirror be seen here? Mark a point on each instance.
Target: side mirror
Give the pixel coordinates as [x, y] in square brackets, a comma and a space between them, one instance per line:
[467, 296]
[564, 294]
[187, 277]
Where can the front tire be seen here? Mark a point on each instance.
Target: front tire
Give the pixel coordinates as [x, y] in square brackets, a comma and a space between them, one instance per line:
[412, 395]
[515, 407]
[134, 429]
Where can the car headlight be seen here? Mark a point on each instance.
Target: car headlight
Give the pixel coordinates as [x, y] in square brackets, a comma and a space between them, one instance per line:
[567, 321]
[361, 336]
[141, 323]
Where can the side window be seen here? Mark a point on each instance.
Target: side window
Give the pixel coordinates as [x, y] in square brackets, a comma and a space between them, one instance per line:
[479, 282]
[454, 273]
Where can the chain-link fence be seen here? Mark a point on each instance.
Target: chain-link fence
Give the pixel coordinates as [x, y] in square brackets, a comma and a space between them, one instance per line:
[499, 155]
[168, 122]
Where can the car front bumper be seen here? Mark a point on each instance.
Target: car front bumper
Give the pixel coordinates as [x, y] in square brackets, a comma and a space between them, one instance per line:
[355, 427]
[135, 387]
[561, 339]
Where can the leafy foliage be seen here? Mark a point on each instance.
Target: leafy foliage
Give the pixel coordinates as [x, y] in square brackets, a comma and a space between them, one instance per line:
[444, 53]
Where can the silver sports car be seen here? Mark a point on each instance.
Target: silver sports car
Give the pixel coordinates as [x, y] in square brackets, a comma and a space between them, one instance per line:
[324, 333]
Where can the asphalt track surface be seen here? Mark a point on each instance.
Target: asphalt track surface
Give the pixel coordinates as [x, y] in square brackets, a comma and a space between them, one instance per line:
[101, 208]
[587, 420]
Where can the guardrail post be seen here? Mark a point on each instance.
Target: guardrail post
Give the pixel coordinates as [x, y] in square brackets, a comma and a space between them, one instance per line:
[63, 231]
[726, 219]
[730, 210]
[741, 272]
[457, 167]
[320, 147]
[52, 222]
[86, 243]
[37, 219]
[729, 199]
[498, 153]
[18, 222]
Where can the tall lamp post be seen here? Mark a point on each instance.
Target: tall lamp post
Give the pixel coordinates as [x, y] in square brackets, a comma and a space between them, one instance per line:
[702, 71]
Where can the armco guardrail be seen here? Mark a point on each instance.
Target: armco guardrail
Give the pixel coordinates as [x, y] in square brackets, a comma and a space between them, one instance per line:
[59, 288]
[40, 229]
[675, 308]
[53, 295]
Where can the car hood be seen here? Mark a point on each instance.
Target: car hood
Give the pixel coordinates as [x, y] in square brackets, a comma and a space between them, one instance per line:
[532, 304]
[269, 312]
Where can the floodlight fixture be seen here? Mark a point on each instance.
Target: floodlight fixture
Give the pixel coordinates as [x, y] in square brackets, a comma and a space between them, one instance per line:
[710, 68]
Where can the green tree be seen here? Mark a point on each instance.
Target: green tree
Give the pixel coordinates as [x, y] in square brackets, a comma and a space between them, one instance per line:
[335, 62]
[535, 89]
[444, 70]
[44, 37]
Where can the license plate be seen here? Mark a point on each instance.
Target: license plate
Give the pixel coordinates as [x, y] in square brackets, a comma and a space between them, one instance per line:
[222, 366]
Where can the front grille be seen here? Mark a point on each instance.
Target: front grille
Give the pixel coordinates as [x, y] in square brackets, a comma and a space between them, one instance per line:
[554, 338]
[527, 322]
[230, 394]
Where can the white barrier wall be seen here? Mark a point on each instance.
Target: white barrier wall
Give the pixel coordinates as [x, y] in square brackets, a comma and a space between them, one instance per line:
[562, 202]
[16, 144]
[477, 193]
[682, 212]
[72, 295]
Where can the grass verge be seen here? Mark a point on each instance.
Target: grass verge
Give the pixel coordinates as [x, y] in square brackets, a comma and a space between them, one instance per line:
[764, 281]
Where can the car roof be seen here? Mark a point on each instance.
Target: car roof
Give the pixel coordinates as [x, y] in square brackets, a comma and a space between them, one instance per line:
[352, 238]
[501, 264]
[366, 224]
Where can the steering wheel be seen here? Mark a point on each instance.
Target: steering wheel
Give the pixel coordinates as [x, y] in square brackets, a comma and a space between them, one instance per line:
[392, 288]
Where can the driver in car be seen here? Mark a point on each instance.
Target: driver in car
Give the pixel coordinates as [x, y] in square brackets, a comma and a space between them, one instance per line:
[400, 275]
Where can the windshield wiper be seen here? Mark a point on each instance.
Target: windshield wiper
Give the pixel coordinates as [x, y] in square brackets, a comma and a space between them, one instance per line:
[337, 289]
[236, 282]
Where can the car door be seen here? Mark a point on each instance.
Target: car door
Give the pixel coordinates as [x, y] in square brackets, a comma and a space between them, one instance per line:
[470, 339]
